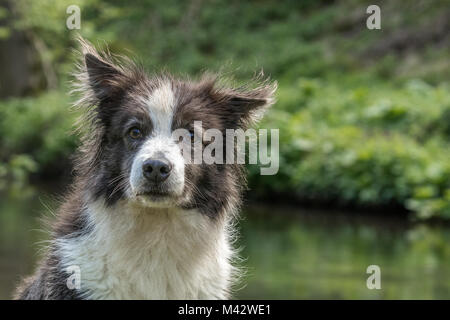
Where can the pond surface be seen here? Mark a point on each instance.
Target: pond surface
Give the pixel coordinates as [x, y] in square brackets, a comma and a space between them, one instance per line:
[289, 253]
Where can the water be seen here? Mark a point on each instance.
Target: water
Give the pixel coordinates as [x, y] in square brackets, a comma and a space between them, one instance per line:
[289, 253]
[293, 254]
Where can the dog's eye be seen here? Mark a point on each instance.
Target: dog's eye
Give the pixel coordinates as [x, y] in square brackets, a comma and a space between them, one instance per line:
[135, 133]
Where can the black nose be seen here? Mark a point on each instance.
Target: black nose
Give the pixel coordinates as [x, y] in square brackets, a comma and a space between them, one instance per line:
[156, 170]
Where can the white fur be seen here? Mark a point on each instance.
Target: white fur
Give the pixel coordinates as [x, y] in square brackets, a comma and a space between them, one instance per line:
[136, 253]
[161, 104]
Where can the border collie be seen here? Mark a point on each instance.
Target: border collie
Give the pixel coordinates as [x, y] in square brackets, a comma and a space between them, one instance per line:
[139, 222]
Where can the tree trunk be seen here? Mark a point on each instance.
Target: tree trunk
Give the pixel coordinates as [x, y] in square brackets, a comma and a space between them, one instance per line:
[21, 67]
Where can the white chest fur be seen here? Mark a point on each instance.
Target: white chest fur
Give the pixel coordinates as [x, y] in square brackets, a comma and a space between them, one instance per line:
[163, 254]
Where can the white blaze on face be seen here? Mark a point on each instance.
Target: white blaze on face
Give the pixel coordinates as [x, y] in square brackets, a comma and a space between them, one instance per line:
[161, 106]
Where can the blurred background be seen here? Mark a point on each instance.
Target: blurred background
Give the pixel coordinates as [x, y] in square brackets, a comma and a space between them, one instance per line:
[364, 119]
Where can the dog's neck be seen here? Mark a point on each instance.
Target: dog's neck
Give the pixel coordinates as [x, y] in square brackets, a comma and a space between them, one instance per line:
[145, 253]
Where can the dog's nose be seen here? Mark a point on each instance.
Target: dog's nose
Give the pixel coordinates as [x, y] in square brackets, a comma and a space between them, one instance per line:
[156, 170]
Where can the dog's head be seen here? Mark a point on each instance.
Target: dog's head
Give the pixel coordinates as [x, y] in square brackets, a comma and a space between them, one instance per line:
[130, 153]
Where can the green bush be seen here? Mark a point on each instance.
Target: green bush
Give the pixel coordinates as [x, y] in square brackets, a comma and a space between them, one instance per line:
[354, 127]
[370, 145]
[36, 135]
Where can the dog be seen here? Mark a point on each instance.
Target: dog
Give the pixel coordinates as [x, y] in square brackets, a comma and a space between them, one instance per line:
[139, 221]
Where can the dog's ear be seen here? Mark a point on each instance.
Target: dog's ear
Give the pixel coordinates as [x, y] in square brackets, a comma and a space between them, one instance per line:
[250, 104]
[245, 105]
[104, 79]
[102, 76]
[98, 73]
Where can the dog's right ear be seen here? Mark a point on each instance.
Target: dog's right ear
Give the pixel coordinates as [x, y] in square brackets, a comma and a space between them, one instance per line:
[99, 74]
[104, 79]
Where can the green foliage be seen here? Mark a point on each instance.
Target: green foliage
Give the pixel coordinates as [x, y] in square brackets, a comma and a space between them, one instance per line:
[35, 136]
[363, 146]
[354, 126]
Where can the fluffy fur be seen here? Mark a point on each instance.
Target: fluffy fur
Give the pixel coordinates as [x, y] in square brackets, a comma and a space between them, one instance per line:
[132, 238]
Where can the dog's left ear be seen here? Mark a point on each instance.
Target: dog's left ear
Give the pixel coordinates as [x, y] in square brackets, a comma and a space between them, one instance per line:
[245, 106]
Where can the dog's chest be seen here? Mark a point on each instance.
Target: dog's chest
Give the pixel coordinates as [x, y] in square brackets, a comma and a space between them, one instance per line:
[159, 258]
